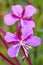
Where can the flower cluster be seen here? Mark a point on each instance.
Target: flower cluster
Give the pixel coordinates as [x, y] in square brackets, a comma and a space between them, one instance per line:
[25, 34]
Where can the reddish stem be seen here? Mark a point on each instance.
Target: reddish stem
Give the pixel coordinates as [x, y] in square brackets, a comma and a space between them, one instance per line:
[18, 63]
[28, 58]
[10, 62]
[4, 42]
[28, 1]
[19, 31]
[1, 30]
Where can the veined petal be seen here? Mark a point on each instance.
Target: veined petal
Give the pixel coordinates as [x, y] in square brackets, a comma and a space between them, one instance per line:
[29, 11]
[10, 37]
[9, 20]
[34, 41]
[13, 51]
[17, 10]
[28, 24]
[26, 32]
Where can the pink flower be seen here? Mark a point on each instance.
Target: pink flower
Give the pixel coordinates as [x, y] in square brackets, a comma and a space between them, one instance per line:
[20, 14]
[26, 41]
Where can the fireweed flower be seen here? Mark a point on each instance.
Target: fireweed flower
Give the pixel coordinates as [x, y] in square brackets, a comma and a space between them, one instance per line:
[20, 14]
[26, 41]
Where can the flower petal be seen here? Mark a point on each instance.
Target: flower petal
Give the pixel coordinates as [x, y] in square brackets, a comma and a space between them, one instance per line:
[10, 37]
[28, 24]
[17, 10]
[29, 11]
[9, 20]
[34, 41]
[22, 22]
[26, 32]
[13, 51]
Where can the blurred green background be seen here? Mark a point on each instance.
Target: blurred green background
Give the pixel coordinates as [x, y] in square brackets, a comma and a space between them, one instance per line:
[36, 54]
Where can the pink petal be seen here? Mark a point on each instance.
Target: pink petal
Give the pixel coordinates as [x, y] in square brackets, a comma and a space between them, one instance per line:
[26, 32]
[13, 51]
[34, 41]
[28, 24]
[17, 10]
[9, 20]
[22, 22]
[10, 37]
[29, 11]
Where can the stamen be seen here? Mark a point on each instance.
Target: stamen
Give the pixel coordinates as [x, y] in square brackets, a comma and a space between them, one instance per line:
[26, 51]
[29, 46]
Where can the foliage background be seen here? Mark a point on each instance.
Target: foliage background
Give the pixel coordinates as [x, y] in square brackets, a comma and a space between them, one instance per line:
[36, 54]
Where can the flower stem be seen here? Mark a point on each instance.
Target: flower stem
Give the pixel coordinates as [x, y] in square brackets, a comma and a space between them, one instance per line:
[1, 30]
[6, 59]
[35, 52]
[28, 1]
[4, 42]
[17, 61]
[27, 58]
